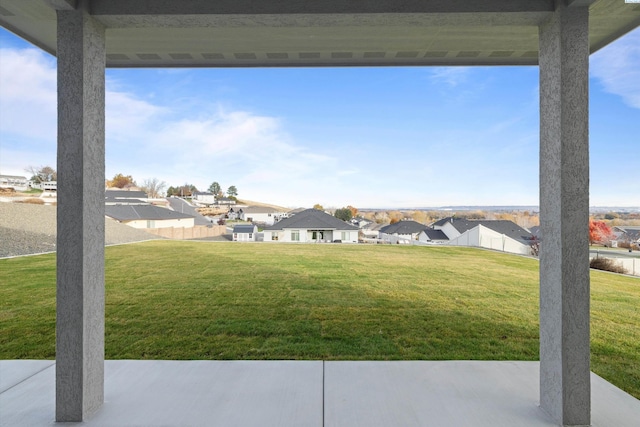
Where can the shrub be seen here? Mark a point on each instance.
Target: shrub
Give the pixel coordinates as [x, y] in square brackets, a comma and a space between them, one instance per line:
[607, 264]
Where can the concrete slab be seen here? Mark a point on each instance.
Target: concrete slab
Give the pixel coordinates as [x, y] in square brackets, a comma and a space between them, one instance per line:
[454, 393]
[184, 393]
[290, 393]
[13, 372]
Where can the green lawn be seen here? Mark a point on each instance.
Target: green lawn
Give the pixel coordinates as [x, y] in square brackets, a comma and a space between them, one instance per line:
[203, 300]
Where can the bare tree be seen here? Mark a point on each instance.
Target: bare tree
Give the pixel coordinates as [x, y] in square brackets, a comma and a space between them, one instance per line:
[153, 187]
[42, 173]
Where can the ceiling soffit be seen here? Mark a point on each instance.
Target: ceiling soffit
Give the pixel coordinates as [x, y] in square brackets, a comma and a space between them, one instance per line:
[249, 33]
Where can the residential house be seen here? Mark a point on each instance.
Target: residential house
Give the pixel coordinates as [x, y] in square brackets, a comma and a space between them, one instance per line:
[234, 213]
[148, 216]
[360, 222]
[500, 235]
[261, 214]
[245, 233]
[18, 183]
[627, 234]
[311, 225]
[202, 198]
[430, 235]
[401, 231]
[371, 230]
[225, 201]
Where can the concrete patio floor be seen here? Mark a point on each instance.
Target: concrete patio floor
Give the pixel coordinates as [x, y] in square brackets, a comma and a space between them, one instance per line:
[305, 393]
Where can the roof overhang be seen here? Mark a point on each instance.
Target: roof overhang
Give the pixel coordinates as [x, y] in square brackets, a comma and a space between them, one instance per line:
[283, 33]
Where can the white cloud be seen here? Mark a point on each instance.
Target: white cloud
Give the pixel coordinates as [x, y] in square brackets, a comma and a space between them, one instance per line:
[127, 117]
[451, 76]
[617, 66]
[28, 93]
[144, 139]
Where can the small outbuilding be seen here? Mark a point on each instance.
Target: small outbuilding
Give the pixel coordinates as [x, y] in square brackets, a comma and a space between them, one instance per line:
[245, 233]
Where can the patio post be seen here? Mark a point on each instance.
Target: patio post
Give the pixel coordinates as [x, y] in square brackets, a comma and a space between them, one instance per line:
[80, 220]
[565, 388]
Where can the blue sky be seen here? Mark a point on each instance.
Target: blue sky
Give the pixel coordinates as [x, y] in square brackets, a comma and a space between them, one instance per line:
[368, 137]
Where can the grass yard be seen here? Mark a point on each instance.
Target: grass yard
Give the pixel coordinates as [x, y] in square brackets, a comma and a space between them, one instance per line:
[203, 300]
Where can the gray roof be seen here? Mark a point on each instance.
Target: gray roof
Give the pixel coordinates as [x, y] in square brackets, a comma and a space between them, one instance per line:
[441, 222]
[259, 209]
[536, 230]
[403, 227]
[13, 177]
[124, 194]
[125, 201]
[435, 234]
[133, 212]
[312, 219]
[297, 210]
[243, 228]
[632, 234]
[508, 228]
[628, 227]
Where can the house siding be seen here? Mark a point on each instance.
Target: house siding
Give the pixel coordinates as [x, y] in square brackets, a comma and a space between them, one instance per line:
[306, 236]
[484, 237]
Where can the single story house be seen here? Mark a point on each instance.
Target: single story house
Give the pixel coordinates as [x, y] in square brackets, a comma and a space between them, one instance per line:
[627, 234]
[261, 214]
[148, 216]
[244, 233]
[401, 231]
[501, 235]
[311, 225]
[18, 183]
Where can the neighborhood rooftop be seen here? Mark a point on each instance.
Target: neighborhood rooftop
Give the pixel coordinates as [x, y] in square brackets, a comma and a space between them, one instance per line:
[508, 228]
[403, 227]
[310, 219]
[147, 212]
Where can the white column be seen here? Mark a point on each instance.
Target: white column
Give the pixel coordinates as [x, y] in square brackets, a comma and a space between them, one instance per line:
[80, 245]
[564, 214]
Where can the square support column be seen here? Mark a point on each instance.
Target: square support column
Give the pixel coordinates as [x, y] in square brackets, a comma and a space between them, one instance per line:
[565, 388]
[80, 241]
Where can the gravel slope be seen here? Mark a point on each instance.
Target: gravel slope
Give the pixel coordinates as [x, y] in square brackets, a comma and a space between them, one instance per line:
[30, 229]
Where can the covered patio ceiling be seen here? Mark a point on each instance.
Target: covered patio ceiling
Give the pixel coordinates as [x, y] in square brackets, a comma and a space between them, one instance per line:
[251, 33]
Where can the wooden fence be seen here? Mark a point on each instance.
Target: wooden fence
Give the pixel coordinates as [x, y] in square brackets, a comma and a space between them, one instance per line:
[181, 233]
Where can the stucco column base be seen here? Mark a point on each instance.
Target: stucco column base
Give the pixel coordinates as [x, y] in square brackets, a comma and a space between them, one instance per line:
[565, 390]
[80, 241]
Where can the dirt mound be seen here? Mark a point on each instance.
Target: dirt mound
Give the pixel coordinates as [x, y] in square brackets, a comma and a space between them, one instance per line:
[27, 229]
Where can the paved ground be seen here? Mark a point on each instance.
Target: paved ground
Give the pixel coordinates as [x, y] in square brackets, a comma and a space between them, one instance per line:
[306, 393]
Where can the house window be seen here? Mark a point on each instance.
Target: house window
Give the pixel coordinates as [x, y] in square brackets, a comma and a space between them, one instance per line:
[274, 236]
[295, 235]
[151, 223]
[251, 235]
[345, 235]
[235, 236]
